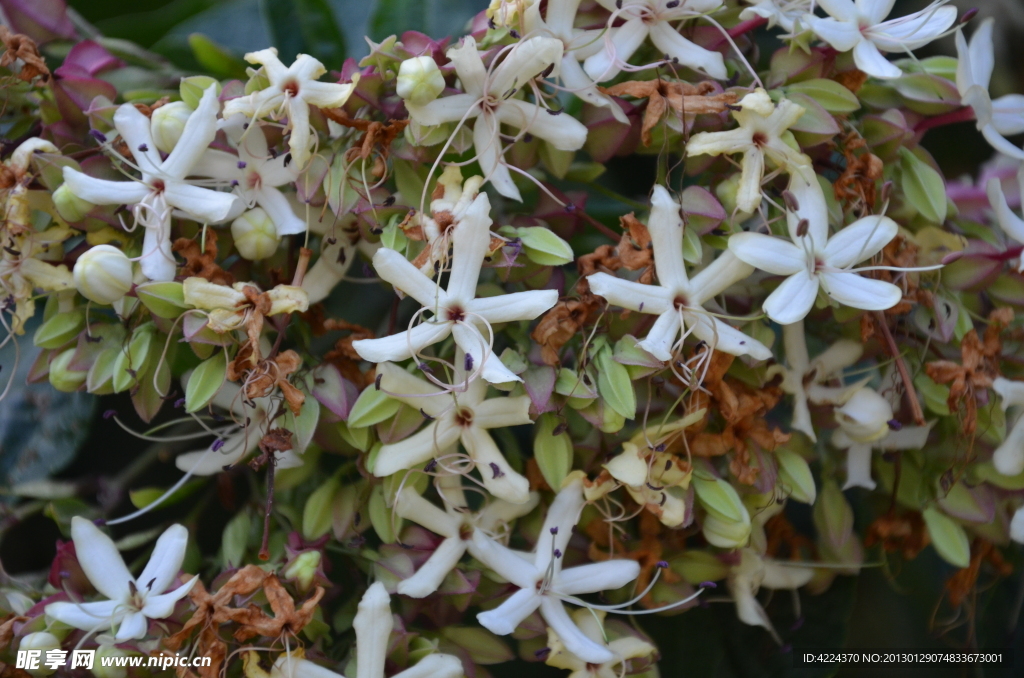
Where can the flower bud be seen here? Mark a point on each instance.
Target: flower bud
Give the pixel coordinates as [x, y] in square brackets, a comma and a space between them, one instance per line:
[255, 235]
[69, 206]
[101, 670]
[103, 274]
[865, 416]
[62, 377]
[304, 568]
[42, 641]
[167, 124]
[420, 80]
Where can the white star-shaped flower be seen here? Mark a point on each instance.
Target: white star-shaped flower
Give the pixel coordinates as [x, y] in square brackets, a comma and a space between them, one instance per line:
[132, 601]
[463, 416]
[755, 571]
[654, 19]
[677, 299]
[995, 119]
[544, 584]
[763, 133]
[860, 25]
[256, 176]
[456, 310]
[1009, 456]
[804, 379]
[292, 90]
[373, 623]
[162, 185]
[456, 523]
[590, 622]
[785, 13]
[812, 259]
[489, 97]
[577, 44]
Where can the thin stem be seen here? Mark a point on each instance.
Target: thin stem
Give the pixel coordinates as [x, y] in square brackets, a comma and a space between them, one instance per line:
[908, 383]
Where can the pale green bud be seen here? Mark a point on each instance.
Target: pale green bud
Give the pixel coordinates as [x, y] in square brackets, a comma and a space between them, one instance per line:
[167, 124]
[105, 652]
[61, 377]
[103, 274]
[42, 641]
[255, 235]
[420, 80]
[69, 206]
[304, 569]
[728, 193]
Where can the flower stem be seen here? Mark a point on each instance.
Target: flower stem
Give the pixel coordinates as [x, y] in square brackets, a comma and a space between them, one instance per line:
[964, 114]
[908, 383]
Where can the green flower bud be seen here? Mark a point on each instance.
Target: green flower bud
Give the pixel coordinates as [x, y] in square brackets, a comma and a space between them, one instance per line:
[101, 671]
[103, 274]
[192, 88]
[69, 206]
[167, 124]
[42, 641]
[255, 235]
[420, 80]
[61, 377]
[304, 569]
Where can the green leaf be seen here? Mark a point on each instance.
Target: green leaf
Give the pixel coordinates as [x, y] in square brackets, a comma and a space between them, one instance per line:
[552, 452]
[719, 497]
[385, 523]
[304, 425]
[163, 299]
[372, 407]
[205, 381]
[795, 475]
[948, 537]
[235, 540]
[319, 510]
[543, 247]
[829, 94]
[614, 385]
[923, 187]
[60, 329]
[483, 647]
[144, 496]
[304, 27]
[216, 59]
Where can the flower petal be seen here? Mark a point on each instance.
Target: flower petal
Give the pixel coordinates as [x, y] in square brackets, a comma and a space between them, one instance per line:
[662, 335]
[500, 512]
[104, 191]
[430, 575]
[208, 462]
[725, 338]
[469, 66]
[619, 45]
[402, 345]
[502, 412]
[579, 83]
[1000, 143]
[858, 467]
[86, 616]
[288, 666]
[432, 441]
[200, 129]
[100, 559]
[412, 506]
[913, 30]
[470, 241]
[666, 229]
[499, 478]
[513, 306]
[792, 300]
[748, 195]
[635, 296]
[1011, 224]
[326, 94]
[1008, 114]
[855, 291]
[134, 128]
[445, 109]
[607, 575]
[504, 619]
[525, 61]
[860, 240]
[506, 563]
[434, 666]
[1008, 458]
[874, 11]
[841, 35]
[165, 561]
[417, 393]
[979, 57]
[217, 164]
[718, 276]
[572, 638]
[669, 42]
[301, 139]
[394, 268]
[162, 606]
[280, 211]
[768, 253]
[469, 339]
[202, 204]
[559, 129]
[487, 142]
[870, 60]
[134, 625]
[373, 623]
[842, 10]
[562, 515]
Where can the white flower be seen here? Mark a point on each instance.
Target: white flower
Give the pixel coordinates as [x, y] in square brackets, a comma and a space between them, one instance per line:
[677, 299]
[103, 274]
[544, 584]
[456, 310]
[489, 96]
[996, 119]
[162, 185]
[1009, 456]
[785, 13]
[863, 426]
[456, 524]
[655, 19]
[463, 416]
[763, 133]
[256, 175]
[859, 25]
[292, 90]
[813, 259]
[132, 601]
[1010, 223]
[590, 622]
[577, 44]
[420, 81]
[373, 624]
[804, 379]
[1017, 526]
[755, 571]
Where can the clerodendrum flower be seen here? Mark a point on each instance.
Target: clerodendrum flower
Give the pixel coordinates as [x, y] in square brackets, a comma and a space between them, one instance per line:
[860, 25]
[544, 584]
[373, 624]
[654, 19]
[289, 94]
[763, 133]
[755, 571]
[456, 523]
[464, 415]
[677, 299]
[456, 310]
[1009, 456]
[785, 13]
[996, 119]
[578, 45]
[256, 176]
[132, 601]
[590, 622]
[490, 97]
[162, 185]
[813, 259]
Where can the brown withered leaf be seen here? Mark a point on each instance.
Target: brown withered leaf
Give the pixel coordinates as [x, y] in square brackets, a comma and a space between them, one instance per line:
[963, 581]
[852, 80]
[904, 533]
[604, 258]
[18, 46]
[375, 133]
[286, 617]
[782, 540]
[855, 187]
[663, 95]
[562, 323]
[7, 629]
[261, 380]
[635, 250]
[200, 261]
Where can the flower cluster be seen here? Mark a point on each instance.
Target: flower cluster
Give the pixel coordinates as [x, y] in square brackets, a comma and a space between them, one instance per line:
[485, 390]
